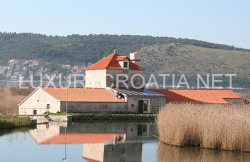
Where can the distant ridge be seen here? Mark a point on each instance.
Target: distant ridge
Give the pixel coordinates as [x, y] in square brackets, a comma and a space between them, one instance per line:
[159, 54]
[75, 49]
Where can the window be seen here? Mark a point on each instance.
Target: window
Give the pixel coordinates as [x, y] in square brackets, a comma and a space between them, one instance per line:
[48, 106]
[125, 65]
[132, 105]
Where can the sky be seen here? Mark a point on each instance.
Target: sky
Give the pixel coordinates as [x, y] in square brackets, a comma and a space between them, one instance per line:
[217, 21]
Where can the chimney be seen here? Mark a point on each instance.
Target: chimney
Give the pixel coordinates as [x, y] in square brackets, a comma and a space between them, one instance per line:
[135, 58]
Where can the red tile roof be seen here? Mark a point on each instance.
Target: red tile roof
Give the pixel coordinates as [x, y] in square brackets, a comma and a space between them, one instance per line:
[121, 58]
[197, 95]
[111, 62]
[72, 138]
[89, 160]
[82, 94]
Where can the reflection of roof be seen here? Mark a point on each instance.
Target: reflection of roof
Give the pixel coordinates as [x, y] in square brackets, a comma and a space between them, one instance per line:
[111, 62]
[89, 160]
[72, 138]
[134, 92]
[197, 95]
[82, 94]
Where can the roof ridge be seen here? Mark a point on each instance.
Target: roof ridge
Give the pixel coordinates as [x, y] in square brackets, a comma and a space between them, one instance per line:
[114, 54]
[110, 62]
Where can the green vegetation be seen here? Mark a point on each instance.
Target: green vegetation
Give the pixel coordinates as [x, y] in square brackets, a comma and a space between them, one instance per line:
[15, 122]
[77, 49]
[192, 60]
[159, 54]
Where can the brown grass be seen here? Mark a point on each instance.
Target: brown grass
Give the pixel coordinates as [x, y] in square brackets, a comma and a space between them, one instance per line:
[225, 127]
[10, 98]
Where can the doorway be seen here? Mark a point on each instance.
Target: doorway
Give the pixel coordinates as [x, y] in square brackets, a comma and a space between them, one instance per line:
[143, 106]
[34, 112]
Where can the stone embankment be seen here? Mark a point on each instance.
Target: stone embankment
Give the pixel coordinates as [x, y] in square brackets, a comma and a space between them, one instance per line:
[52, 118]
[93, 117]
[115, 117]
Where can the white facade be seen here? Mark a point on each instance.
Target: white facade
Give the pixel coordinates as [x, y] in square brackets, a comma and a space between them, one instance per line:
[39, 102]
[110, 78]
[95, 78]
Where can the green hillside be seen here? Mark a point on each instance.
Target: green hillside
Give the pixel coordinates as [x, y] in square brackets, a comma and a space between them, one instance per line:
[191, 60]
[76, 49]
[159, 54]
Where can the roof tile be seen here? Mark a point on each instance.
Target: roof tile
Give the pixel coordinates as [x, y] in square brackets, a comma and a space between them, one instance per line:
[82, 94]
[111, 62]
[197, 95]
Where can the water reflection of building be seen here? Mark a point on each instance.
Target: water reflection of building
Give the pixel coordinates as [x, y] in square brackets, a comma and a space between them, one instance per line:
[102, 141]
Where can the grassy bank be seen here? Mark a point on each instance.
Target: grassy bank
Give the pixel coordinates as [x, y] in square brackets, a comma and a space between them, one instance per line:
[225, 127]
[16, 122]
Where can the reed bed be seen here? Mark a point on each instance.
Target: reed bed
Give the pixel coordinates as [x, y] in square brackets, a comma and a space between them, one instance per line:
[10, 98]
[224, 127]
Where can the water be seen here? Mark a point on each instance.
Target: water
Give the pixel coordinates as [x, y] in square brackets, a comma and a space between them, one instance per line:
[101, 141]
[84, 142]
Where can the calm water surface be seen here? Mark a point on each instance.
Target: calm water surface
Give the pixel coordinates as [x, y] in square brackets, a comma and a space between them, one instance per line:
[103, 141]
[84, 142]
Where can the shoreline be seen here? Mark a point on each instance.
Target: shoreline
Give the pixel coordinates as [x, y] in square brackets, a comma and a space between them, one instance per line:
[9, 122]
[93, 117]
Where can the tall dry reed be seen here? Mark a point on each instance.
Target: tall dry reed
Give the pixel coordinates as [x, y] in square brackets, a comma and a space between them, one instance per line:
[225, 127]
[10, 98]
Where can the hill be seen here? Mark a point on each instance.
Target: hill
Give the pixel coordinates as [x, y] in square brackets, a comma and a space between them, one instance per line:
[192, 60]
[160, 54]
[77, 49]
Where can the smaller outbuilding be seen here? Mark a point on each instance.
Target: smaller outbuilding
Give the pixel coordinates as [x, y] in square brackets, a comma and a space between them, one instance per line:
[50, 99]
[102, 100]
[199, 96]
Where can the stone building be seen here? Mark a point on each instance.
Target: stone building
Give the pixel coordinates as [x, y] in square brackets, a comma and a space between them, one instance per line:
[50, 99]
[115, 70]
[114, 84]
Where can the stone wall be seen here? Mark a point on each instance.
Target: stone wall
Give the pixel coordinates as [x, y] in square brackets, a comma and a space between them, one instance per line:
[137, 81]
[237, 101]
[52, 118]
[60, 118]
[156, 102]
[114, 117]
[94, 107]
